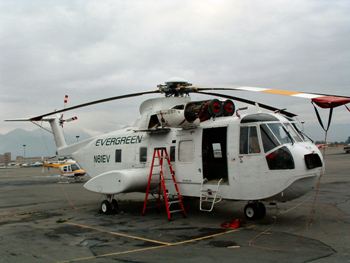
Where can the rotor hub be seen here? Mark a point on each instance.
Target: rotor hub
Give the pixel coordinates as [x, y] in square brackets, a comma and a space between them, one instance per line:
[175, 87]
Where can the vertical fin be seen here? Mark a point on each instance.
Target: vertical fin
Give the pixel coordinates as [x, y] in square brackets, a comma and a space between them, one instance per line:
[57, 131]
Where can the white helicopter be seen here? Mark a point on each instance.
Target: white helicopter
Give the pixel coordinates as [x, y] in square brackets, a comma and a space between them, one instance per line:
[218, 153]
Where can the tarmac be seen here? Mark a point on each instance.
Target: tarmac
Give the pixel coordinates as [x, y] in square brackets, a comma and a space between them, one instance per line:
[44, 219]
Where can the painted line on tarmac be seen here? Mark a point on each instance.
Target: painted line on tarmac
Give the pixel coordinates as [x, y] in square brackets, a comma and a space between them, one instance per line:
[113, 254]
[164, 245]
[119, 234]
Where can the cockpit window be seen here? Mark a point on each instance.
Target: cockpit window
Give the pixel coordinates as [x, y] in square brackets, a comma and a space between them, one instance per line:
[249, 142]
[74, 167]
[279, 131]
[268, 139]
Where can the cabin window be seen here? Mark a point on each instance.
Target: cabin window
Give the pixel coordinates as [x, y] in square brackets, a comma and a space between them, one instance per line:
[153, 122]
[217, 153]
[186, 151]
[143, 154]
[249, 142]
[172, 153]
[118, 156]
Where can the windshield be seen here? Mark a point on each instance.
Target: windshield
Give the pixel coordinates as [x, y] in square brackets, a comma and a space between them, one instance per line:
[275, 134]
[279, 131]
[74, 167]
[293, 133]
[268, 139]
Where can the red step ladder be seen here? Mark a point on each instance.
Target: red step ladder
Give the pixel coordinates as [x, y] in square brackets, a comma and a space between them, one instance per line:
[161, 154]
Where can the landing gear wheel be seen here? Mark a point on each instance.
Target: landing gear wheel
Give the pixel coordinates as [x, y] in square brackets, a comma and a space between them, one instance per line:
[254, 211]
[261, 210]
[115, 206]
[106, 207]
[250, 211]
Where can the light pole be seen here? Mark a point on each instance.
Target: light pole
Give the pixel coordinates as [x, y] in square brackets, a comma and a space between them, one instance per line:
[24, 153]
[24, 150]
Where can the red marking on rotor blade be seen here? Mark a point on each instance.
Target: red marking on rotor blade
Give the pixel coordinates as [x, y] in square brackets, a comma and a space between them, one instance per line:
[330, 101]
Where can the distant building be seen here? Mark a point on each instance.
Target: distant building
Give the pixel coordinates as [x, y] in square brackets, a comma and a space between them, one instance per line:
[29, 160]
[21, 159]
[5, 158]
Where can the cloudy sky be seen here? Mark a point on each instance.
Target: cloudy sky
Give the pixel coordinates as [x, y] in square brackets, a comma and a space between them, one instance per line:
[95, 49]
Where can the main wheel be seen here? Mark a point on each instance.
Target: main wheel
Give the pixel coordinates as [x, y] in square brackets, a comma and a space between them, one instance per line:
[255, 210]
[251, 211]
[261, 210]
[115, 206]
[106, 207]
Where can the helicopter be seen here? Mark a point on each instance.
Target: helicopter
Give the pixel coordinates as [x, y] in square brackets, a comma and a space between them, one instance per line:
[68, 168]
[218, 152]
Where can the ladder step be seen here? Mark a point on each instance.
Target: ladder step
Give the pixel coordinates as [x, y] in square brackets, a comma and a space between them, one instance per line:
[217, 200]
[209, 196]
[165, 182]
[209, 193]
[161, 158]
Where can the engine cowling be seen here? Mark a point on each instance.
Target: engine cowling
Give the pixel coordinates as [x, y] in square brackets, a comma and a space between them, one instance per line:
[195, 112]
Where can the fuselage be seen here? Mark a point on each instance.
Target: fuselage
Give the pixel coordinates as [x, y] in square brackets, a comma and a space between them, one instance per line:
[259, 156]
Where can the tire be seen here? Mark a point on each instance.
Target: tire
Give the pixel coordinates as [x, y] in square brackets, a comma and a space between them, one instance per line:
[115, 206]
[106, 207]
[261, 210]
[253, 211]
[250, 211]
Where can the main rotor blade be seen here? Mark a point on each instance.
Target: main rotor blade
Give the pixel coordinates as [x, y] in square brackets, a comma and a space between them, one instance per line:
[307, 95]
[261, 105]
[322, 100]
[38, 118]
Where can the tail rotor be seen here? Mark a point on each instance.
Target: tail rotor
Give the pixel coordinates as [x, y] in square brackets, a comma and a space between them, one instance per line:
[62, 120]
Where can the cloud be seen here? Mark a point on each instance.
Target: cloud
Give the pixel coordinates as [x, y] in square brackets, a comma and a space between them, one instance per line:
[95, 49]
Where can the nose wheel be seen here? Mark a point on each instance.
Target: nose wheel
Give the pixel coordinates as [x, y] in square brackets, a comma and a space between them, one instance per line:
[255, 210]
[109, 206]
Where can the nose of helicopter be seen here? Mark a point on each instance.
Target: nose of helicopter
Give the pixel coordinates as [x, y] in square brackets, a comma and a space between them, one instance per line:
[309, 166]
[307, 156]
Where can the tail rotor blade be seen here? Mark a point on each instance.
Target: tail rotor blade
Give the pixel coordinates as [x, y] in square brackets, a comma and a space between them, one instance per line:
[71, 119]
[65, 101]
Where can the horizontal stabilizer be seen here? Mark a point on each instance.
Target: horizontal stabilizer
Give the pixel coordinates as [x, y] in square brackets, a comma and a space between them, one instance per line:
[119, 181]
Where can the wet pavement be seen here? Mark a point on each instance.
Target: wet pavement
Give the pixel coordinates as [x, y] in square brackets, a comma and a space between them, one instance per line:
[44, 219]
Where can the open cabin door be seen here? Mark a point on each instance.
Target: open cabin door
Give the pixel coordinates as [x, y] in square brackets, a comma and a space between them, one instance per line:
[214, 154]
